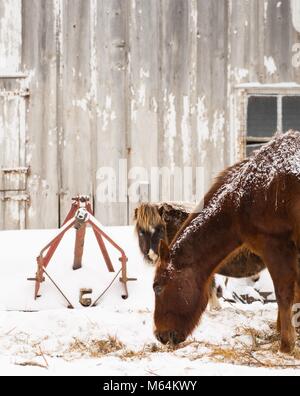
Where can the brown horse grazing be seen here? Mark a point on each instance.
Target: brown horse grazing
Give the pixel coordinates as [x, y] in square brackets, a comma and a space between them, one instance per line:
[257, 206]
[156, 221]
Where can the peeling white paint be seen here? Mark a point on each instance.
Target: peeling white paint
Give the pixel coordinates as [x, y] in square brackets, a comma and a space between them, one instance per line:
[240, 74]
[31, 212]
[58, 22]
[270, 65]
[218, 128]
[279, 4]
[133, 111]
[154, 105]
[133, 105]
[108, 114]
[194, 13]
[266, 6]
[202, 127]
[83, 104]
[144, 73]
[108, 103]
[170, 126]
[93, 45]
[186, 136]
[295, 5]
[26, 82]
[142, 95]
[10, 36]
[45, 184]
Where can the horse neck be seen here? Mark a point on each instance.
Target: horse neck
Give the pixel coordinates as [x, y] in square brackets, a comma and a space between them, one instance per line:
[206, 242]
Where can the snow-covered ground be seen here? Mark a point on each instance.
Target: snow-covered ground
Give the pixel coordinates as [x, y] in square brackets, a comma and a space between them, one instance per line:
[116, 338]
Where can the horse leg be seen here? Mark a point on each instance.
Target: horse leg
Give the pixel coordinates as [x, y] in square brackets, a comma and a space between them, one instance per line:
[280, 255]
[296, 308]
[214, 303]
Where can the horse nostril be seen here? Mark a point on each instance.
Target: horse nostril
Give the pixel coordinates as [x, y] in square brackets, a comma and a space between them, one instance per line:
[161, 338]
[173, 337]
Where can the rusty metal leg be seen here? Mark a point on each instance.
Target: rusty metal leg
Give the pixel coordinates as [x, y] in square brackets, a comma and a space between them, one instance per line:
[39, 278]
[79, 246]
[124, 278]
[54, 246]
[103, 249]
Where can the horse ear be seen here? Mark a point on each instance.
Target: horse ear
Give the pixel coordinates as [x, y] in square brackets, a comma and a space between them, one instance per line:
[161, 209]
[135, 214]
[164, 251]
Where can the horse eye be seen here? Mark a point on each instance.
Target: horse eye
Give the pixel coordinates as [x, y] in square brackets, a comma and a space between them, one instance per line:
[157, 288]
[142, 233]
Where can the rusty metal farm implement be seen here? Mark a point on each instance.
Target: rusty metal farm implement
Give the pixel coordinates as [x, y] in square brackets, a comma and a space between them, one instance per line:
[79, 217]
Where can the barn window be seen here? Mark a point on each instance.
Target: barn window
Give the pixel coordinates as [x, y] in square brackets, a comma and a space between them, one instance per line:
[267, 114]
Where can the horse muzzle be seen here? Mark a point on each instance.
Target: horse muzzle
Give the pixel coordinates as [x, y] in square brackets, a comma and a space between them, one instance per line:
[172, 337]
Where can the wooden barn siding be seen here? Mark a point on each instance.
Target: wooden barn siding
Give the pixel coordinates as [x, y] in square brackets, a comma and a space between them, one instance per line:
[12, 119]
[150, 81]
[260, 31]
[39, 61]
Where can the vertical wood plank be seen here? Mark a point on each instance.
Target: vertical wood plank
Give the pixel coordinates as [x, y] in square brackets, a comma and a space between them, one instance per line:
[112, 108]
[279, 40]
[143, 89]
[177, 86]
[10, 36]
[39, 61]
[213, 139]
[75, 140]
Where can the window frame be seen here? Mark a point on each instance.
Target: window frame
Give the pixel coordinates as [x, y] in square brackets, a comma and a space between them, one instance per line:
[239, 111]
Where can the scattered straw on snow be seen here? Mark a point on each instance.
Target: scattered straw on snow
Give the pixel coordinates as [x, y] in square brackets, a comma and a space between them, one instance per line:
[223, 337]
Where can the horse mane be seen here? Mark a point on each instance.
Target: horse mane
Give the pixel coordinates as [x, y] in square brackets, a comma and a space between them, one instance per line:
[224, 177]
[147, 216]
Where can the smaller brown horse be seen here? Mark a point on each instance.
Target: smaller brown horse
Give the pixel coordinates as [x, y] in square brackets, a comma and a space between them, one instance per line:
[257, 205]
[156, 221]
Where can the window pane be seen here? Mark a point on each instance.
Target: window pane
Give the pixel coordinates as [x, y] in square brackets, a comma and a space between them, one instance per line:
[291, 113]
[252, 147]
[262, 116]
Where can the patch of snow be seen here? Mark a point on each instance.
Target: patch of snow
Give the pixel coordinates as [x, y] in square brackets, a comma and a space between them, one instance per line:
[55, 340]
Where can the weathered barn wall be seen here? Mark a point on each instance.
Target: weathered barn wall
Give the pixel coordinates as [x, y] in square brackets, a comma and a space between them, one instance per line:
[153, 82]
